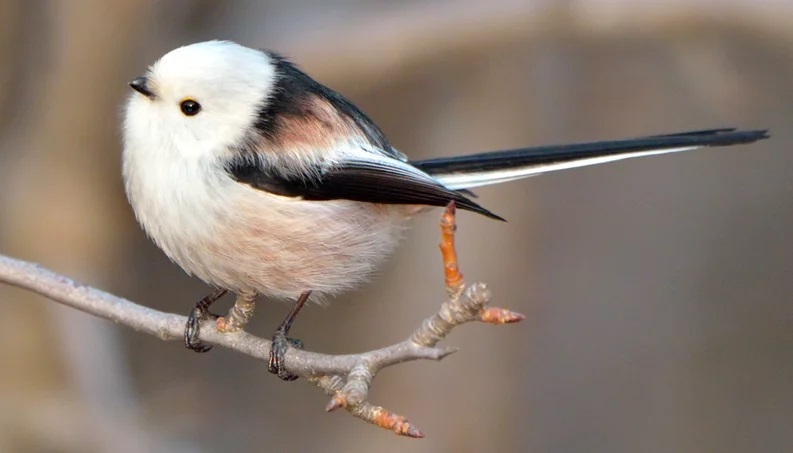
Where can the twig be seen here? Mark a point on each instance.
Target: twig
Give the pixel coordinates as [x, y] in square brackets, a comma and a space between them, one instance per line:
[346, 378]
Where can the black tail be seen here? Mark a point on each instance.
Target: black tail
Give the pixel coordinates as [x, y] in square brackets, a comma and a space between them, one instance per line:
[500, 166]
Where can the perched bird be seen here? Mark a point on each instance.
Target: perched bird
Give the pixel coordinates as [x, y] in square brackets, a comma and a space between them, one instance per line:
[261, 181]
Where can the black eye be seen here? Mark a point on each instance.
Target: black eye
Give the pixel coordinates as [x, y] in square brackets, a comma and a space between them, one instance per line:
[190, 107]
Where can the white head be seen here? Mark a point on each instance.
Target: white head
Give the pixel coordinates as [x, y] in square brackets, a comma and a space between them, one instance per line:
[215, 137]
[198, 100]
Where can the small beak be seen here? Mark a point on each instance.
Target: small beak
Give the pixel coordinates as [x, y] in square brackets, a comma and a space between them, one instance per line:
[141, 85]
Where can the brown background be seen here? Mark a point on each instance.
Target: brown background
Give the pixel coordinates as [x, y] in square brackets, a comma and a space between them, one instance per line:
[658, 291]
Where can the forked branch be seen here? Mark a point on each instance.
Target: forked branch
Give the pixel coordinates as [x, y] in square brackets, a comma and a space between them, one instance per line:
[346, 378]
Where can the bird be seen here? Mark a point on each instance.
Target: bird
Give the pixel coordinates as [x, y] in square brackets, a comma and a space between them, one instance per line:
[261, 181]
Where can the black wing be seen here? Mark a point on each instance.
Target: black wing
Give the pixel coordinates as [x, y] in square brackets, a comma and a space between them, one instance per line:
[358, 180]
[293, 86]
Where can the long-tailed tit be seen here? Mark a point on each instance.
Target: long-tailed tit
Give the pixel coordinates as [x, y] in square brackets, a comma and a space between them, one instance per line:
[259, 180]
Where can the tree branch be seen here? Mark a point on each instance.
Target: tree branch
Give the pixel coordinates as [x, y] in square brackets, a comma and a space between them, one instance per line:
[346, 378]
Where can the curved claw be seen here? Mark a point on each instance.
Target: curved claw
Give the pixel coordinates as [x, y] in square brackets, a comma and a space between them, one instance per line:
[192, 331]
[275, 363]
[200, 312]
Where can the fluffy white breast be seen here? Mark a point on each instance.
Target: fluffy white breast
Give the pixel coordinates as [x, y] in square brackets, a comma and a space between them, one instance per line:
[170, 159]
[227, 233]
[171, 168]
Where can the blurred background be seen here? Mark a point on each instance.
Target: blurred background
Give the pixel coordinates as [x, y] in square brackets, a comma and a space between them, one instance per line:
[659, 291]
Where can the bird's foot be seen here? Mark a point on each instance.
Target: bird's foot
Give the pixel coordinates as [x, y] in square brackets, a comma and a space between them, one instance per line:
[281, 344]
[200, 312]
[193, 326]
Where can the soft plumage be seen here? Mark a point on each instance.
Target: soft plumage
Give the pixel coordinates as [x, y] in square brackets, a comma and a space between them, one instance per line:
[279, 184]
[258, 179]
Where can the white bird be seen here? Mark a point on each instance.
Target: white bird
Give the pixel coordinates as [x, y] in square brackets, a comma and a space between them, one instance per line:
[257, 179]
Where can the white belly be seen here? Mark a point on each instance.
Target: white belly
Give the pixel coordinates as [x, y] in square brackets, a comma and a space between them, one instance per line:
[280, 247]
[242, 239]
